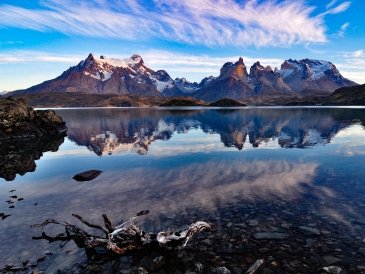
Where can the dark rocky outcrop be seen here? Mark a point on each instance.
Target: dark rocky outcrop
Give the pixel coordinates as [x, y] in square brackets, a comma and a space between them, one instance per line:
[17, 120]
[25, 134]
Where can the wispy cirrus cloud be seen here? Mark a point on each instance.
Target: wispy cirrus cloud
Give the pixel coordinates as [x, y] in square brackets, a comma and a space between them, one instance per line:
[337, 9]
[342, 30]
[207, 22]
[10, 42]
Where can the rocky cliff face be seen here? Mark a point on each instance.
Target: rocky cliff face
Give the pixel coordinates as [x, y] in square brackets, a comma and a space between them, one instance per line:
[17, 120]
[264, 79]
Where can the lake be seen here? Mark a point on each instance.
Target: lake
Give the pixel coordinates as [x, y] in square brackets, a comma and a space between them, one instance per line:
[254, 173]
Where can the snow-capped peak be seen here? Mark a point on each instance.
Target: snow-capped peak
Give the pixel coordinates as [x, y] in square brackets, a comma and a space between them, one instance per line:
[313, 69]
[106, 61]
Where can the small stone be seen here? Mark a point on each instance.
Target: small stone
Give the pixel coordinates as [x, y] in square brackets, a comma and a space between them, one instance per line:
[153, 262]
[5, 216]
[237, 270]
[221, 270]
[361, 250]
[264, 250]
[331, 259]
[266, 271]
[309, 242]
[36, 271]
[199, 267]
[271, 236]
[206, 242]
[333, 270]
[253, 223]
[41, 259]
[310, 230]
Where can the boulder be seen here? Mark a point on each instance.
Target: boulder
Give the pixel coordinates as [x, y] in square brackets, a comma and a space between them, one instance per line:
[87, 175]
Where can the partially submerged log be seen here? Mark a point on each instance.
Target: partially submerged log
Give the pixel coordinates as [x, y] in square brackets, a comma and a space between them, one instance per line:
[121, 239]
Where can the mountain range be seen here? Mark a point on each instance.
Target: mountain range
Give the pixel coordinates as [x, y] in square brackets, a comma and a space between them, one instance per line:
[103, 75]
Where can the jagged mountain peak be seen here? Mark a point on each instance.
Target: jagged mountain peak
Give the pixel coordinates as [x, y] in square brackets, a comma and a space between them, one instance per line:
[237, 70]
[136, 59]
[240, 62]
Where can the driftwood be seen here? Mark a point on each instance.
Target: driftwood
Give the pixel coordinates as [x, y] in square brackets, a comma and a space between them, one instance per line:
[121, 239]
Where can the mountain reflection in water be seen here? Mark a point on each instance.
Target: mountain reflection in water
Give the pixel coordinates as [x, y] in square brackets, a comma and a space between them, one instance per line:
[111, 131]
[232, 168]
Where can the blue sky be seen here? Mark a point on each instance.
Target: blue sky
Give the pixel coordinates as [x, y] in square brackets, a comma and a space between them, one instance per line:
[39, 39]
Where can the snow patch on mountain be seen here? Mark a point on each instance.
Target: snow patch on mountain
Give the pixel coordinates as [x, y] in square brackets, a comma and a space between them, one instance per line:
[161, 85]
[104, 61]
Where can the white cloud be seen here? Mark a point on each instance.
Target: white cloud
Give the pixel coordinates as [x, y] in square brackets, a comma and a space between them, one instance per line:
[352, 65]
[208, 22]
[36, 56]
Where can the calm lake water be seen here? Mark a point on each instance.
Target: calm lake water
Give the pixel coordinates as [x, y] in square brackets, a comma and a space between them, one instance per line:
[299, 172]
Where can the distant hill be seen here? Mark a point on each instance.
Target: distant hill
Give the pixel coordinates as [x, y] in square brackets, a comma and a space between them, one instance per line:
[183, 102]
[79, 99]
[354, 95]
[226, 103]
